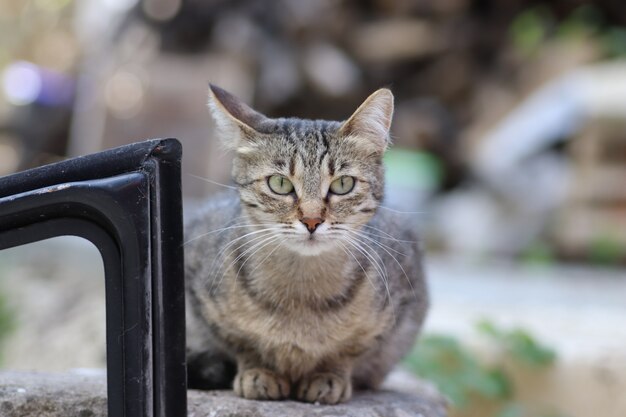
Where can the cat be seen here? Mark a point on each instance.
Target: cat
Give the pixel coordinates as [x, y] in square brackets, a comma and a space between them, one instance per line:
[298, 286]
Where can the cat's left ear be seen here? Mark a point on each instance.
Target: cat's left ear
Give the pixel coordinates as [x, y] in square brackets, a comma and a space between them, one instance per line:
[236, 121]
[371, 121]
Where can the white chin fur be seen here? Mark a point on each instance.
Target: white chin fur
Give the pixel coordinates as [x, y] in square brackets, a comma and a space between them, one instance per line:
[306, 247]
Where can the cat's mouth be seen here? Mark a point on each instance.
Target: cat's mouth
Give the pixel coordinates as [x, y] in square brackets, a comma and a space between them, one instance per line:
[311, 244]
[311, 240]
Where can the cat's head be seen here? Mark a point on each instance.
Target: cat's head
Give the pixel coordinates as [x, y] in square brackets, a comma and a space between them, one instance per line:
[312, 182]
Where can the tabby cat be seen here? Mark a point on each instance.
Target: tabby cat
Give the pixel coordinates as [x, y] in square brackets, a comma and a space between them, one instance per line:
[299, 285]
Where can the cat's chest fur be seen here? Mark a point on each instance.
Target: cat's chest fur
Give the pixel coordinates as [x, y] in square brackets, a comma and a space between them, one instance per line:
[299, 312]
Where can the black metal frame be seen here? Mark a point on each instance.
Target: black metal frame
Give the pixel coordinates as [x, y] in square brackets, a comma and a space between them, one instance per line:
[127, 201]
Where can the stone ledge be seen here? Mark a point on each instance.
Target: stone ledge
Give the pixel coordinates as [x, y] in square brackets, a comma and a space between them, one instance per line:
[26, 394]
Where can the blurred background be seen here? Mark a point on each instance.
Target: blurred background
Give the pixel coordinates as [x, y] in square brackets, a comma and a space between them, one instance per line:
[509, 156]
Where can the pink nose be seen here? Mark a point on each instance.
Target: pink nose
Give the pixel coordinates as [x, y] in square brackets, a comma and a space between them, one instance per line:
[311, 223]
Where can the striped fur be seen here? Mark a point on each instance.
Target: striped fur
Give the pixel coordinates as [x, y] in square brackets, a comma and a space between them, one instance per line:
[275, 311]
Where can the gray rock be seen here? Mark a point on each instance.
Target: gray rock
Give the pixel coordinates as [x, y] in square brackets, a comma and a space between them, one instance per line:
[26, 394]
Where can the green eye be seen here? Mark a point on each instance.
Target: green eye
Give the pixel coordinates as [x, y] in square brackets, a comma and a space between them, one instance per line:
[280, 184]
[342, 185]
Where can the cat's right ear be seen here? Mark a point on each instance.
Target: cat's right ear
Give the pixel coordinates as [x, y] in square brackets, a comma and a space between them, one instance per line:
[371, 121]
[236, 121]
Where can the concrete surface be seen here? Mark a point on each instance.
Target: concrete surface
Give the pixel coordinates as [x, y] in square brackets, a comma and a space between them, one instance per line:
[28, 394]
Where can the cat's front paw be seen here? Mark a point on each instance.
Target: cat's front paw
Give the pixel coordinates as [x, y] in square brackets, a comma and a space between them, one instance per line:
[324, 388]
[261, 384]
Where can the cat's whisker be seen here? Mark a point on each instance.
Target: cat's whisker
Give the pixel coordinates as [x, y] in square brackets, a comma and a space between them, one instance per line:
[384, 234]
[280, 244]
[257, 248]
[244, 253]
[384, 277]
[213, 182]
[276, 238]
[232, 242]
[382, 272]
[374, 241]
[397, 262]
[349, 252]
[367, 226]
[402, 212]
[265, 233]
[234, 225]
[254, 232]
[220, 254]
[379, 262]
[223, 229]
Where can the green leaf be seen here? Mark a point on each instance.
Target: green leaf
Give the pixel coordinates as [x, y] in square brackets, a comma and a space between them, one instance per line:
[519, 344]
[528, 350]
[413, 169]
[7, 321]
[530, 28]
[605, 248]
[488, 328]
[456, 371]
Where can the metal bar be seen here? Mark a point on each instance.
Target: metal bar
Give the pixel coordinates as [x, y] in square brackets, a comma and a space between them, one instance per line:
[126, 201]
[170, 374]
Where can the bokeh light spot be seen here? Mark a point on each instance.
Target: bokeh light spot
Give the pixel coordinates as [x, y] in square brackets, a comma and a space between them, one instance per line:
[124, 94]
[161, 9]
[22, 83]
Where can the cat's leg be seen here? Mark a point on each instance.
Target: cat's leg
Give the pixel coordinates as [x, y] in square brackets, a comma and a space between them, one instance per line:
[255, 382]
[210, 370]
[329, 384]
[209, 366]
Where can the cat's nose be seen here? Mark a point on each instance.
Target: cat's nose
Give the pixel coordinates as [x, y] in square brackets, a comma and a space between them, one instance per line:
[311, 223]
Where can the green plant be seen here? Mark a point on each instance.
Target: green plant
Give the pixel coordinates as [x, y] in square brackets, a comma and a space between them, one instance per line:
[614, 42]
[456, 370]
[606, 249]
[533, 27]
[462, 376]
[585, 20]
[413, 169]
[538, 253]
[530, 28]
[7, 322]
[519, 344]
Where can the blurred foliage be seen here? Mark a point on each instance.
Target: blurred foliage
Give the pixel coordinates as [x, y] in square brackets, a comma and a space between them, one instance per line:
[530, 28]
[464, 377]
[584, 21]
[606, 249]
[538, 253]
[456, 371]
[519, 344]
[7, 322]
[534, 26]
[614, 42]
[413, 169]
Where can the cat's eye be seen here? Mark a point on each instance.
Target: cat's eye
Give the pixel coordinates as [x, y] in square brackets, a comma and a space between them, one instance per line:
[280, 184]
[342, 185]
